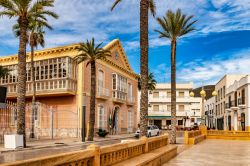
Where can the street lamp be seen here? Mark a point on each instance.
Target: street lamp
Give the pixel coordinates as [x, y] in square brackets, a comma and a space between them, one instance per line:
[83, 116]
[203, 95]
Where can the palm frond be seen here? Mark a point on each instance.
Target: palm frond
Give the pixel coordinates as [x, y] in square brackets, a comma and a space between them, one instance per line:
[89, 51]
[115, 4]
[152, 7]
[175, 25]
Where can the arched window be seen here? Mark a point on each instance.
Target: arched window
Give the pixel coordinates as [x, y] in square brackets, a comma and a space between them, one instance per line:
[101, 117]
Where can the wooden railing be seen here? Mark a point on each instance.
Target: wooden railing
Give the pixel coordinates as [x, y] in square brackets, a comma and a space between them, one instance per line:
[100, 156]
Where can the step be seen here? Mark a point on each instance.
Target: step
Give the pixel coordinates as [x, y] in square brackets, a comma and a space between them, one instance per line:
[155, 157]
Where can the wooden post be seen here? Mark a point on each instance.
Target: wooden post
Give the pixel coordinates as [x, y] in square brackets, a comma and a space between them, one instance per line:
[97, 154]
[145, 139]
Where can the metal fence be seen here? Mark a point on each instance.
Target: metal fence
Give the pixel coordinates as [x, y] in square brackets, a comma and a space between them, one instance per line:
[49, 121]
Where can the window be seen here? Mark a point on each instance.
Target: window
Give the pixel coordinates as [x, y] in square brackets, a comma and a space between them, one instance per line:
[130, 121]
[119, 87]
[224, 91]
[130, 92]
[168, 107]
[168, 122]
[155, 94]
[180, 122]
[101, 117]
[181, 107]
[114, 81]
[155, 107]
[100, 80]
[181, 94]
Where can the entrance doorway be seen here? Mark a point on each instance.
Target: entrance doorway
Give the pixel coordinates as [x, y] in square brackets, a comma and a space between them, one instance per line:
[229, 122]
[157, 123]
[116, 120]
[243, 121]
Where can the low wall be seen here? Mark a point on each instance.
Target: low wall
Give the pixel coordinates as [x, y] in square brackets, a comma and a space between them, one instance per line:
[99, 156]
[193, 137]
[229, 135]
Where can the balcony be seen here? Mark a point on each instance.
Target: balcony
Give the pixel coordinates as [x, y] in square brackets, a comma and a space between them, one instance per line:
[130, 101]
[241, 102]
[119, 96]
[231, 105]
[102, 93]
[56, 87]
[160, 113]
[167, 99]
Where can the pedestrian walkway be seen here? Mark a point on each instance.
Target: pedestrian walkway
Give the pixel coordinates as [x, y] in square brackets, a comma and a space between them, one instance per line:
[214, 153]
[51, 147]
[40, 144]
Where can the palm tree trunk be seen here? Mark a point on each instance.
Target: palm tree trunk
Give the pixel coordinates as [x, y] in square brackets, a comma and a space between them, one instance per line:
[23, 23]
[173, 92]
[144, 4]
[92, 103]
[32, 135]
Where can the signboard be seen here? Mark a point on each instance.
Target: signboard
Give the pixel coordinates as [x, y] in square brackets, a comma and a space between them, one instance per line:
[3, 91]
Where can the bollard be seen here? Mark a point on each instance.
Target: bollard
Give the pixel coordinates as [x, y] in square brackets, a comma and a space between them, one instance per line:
[145, 139]
[97, 154]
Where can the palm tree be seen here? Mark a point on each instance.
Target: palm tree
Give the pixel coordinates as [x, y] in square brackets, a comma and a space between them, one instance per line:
[3, 71]
[174, 26]
[24, 11]
[151, 82]
[90, 52]
[145, 6]
[35, 35]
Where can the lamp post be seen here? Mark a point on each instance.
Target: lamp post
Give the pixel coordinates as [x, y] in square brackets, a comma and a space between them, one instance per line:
[203, 95]
[83, 116]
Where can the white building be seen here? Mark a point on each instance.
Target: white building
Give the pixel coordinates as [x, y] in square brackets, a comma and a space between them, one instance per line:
[238, 105]
[159, 112]
[210, 112]
[220, 100]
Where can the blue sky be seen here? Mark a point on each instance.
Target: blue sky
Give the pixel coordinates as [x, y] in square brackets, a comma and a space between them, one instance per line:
[220, 45]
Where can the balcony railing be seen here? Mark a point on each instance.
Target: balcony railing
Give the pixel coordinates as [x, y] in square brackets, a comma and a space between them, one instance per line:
[119, 96]
[102, 93]
[241, 101]
[130, 100]
[46, 87]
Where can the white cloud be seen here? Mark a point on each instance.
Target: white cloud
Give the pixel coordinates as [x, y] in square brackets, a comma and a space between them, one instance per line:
[81, 20]
[206, 72]
[211, 70]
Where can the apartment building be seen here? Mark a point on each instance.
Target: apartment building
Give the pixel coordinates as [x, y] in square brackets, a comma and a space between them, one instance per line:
[210, 112]
[65, 86]
[188, 108]
[220, 100]
[237, 105]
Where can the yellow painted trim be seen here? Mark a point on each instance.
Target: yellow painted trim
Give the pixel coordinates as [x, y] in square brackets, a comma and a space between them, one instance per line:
[228, 137]
[247, 128]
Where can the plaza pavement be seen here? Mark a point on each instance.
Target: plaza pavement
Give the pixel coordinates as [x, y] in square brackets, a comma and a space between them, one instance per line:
[214, 153]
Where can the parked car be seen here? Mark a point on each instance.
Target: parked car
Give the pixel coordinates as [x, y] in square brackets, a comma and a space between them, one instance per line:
[152, 130]
[195, 126]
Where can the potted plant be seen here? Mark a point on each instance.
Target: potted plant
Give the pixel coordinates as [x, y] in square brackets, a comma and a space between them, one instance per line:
[102, 133]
